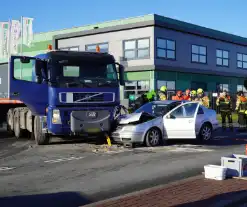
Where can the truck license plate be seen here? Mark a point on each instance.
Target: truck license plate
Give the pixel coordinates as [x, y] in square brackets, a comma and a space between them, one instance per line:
[93, 130]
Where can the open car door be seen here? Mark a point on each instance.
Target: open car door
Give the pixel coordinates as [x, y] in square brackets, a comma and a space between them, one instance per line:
[180, 122]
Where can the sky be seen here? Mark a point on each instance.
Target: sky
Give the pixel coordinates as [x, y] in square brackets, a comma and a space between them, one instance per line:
[49, 15]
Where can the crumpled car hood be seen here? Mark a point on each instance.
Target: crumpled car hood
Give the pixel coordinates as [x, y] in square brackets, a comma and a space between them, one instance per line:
[128, 118]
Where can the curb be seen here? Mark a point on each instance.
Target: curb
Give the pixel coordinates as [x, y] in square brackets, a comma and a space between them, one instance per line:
[144, 191]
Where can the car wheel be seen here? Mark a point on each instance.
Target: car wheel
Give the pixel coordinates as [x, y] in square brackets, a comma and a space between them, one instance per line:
[205, 132]
[153, 137]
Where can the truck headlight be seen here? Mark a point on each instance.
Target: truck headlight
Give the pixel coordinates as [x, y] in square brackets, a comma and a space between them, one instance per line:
[56, 118]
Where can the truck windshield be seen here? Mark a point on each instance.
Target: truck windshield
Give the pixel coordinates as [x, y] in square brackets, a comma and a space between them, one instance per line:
[86, 75]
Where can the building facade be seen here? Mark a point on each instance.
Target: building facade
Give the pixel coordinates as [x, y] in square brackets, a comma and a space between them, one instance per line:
[157, 51]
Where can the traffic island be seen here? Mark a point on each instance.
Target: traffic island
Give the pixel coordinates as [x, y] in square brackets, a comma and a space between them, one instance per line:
[195, 191]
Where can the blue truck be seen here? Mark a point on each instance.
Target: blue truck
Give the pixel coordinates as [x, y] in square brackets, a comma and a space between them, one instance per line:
[70, 93]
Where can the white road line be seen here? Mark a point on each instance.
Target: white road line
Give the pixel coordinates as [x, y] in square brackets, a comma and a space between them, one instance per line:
[183, 149]
[6, 168]
[63, 159]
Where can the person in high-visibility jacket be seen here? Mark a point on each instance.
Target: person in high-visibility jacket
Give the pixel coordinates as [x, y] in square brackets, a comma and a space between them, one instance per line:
[162, 94]
[203, 100]
[241, 108]
[179, 96]
[193, 95]
[187, 95]
[225, 104]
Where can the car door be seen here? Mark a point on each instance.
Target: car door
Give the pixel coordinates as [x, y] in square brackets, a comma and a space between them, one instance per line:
[180, 123]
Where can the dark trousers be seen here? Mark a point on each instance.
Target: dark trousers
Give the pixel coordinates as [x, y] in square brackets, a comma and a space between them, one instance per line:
[224, 115]
[242, 119]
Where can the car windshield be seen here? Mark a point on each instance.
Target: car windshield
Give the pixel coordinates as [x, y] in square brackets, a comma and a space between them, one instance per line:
[154, 109]
[87, 75]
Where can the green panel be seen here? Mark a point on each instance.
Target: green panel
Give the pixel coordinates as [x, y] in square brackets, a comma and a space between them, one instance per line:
[211, 86]
[182, 84]
[144, 75]
[165, 75]
[36, 46]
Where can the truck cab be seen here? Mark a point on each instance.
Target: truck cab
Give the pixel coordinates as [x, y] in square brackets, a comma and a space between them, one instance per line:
[71, 94]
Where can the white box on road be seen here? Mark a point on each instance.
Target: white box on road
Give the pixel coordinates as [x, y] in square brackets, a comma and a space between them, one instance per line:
[215, 172]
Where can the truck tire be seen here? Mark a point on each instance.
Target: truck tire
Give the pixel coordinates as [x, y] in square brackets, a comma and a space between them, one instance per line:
[10, 122]
[40, 138]
[17, 128]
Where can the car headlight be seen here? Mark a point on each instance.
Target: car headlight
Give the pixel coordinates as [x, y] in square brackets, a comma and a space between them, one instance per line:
[130, 128]
[56, 118]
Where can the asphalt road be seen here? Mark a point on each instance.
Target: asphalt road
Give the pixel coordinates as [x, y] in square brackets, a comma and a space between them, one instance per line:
[73, 174]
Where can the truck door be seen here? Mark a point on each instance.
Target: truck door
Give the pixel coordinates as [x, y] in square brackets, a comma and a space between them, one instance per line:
[23, 87]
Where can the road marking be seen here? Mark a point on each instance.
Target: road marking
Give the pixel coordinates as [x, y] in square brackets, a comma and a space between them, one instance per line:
[63, 159]
[185, 149]
[6, 168]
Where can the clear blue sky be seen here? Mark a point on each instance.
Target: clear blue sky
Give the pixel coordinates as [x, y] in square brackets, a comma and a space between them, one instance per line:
[225, 15]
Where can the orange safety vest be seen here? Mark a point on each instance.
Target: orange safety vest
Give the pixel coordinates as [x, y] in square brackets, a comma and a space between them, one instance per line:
[186, 97]
[177, 98]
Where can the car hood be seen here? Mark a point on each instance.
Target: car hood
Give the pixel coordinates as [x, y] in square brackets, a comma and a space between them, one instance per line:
[128, 118]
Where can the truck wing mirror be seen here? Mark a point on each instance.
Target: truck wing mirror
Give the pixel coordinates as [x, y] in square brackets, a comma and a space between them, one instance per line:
[121, 74]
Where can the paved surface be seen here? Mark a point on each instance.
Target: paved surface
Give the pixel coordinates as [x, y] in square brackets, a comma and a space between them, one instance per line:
[64, 172]
[203, 192]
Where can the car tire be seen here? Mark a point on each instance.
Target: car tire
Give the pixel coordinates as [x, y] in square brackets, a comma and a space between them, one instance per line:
[153, 137]
[205, 132]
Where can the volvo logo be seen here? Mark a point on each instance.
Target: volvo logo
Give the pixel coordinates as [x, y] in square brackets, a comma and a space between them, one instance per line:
[92, 114]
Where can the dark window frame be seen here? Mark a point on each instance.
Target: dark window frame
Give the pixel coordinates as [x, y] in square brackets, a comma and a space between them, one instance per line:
[165, 49]
[242, 61]
[97, 44]
[222, 58]
[192, 53]
[136, 90]
[136, 48]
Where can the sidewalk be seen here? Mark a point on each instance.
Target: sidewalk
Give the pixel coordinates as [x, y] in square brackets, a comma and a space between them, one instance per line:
[195, 191]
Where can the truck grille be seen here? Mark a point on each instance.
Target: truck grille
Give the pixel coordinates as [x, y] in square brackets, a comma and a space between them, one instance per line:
[86, 97]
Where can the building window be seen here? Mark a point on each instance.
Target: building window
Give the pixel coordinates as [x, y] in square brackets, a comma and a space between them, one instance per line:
[242, 88]
[170, 85]
[92, 47]
[136, 49]
[222, 57]
[242, 60]
[166, 48]
[74, 48]
[135, 88]
[222, 87]
[199, 54]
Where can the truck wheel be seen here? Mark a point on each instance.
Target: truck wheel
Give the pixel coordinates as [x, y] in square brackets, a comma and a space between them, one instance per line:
[40, 138]
[17, 128]
[10, 122]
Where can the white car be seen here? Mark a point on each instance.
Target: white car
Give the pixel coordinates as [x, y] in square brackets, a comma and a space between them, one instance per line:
[154, 123]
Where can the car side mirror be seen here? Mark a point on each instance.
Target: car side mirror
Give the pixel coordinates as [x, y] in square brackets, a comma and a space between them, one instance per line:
[170, 116]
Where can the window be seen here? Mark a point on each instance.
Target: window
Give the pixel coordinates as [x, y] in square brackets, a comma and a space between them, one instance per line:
[0, 80]
[241, 60]
[185, 111]
[23, 71]
[199, 54]
[166, 48]
[222, 57]
[200, 110]
[135, 88]
[92, 47]
[74, 48]
[242, 88]
[170, 85]
[71, 71]
[136, 49]
[222, 87]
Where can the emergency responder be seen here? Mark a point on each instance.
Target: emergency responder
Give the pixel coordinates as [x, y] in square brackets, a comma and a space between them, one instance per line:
[151, 96]
[193, 95]
[241, 108]
[179, 96]
[204, 100]
[225, 105]
[187, 95]
[162, 94]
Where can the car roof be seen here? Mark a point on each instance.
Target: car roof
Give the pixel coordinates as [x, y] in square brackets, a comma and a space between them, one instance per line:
[168, 101]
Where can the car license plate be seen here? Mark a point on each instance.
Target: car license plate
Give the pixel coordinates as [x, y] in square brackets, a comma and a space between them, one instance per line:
[93, 130]
[92, 114]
